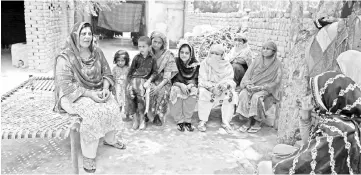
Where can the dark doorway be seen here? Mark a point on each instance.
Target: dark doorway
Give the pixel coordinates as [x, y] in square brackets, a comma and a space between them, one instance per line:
[12, 23]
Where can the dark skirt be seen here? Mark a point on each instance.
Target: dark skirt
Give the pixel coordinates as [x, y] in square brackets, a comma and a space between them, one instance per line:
[239, 71]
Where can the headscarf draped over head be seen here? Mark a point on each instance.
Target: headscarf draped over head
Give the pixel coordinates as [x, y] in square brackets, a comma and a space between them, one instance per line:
[241, 36]
[166, 60]
[157, 34]
[190, 69]
[72, 43]
[335, 93]
[217, 69]
[260, 75]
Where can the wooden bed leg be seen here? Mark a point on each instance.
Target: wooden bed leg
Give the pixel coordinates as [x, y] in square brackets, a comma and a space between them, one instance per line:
[74, 150]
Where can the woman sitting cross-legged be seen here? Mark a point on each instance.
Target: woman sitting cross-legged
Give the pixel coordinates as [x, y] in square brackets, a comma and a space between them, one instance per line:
[216, 87]
[82, 82]
[183, 96]
[262, 80]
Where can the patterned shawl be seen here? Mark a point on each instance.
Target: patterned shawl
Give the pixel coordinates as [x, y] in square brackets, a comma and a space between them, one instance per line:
[166, 60]
[88, 73]
[258, 74]
[334, 93]
[190, 69]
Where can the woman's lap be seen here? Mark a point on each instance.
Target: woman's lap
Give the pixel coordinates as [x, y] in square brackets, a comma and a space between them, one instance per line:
[98, 118]
[249, 106]
[159, 102]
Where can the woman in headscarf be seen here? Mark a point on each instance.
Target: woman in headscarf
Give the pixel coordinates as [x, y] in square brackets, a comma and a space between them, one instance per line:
[216, 87]
[183, 95]
[160, 88]
[350, 64]
[332, 145]
[82, 88]
[262, 80]
[240, 57]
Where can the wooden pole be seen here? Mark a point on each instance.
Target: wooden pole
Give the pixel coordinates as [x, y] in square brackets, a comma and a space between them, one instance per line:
[74, 150]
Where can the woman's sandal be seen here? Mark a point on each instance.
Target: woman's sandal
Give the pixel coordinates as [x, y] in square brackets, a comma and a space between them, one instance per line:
[89, 165]
[243, 128]
[189, 127]
[254, 129]
[180, 127]
[227, 128]
[118, 144]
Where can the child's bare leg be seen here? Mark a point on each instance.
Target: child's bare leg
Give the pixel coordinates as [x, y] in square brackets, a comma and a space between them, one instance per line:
[135, 121]
[142, 125]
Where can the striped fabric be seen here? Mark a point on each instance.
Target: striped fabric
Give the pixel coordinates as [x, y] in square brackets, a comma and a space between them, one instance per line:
[125, 17]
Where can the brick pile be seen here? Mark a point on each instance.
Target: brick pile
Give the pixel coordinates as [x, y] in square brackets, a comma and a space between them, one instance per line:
[47, 24]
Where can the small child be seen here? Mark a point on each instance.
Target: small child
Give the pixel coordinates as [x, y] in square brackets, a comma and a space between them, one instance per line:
[141, 73]
[120, 71]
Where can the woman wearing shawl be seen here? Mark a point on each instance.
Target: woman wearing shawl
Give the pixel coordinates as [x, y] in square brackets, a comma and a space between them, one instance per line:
[183, 96]
[332, 145]
[160, 88]
[350, 64]
[216, 86]
[240, 57]
[262, 80]
[82, 82]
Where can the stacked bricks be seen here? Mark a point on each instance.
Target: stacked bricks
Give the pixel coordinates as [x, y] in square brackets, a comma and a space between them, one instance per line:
[270, 25]
[216, 20]
[47, 26]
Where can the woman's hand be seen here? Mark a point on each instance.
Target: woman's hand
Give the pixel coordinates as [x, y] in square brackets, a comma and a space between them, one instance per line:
[97, 96]
[249, 87]
[154, 90]
[222, 87]
[216, 91]
[184, 88]
[105, 94]
[146, 84]
[256, 88]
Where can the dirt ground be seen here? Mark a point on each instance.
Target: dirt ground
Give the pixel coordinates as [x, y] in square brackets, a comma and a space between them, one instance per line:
[157, 150]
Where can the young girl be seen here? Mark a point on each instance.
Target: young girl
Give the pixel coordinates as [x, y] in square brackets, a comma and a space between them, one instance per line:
[120, 71]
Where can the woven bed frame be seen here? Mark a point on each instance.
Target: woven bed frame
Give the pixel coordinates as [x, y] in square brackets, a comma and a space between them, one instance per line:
[42, 123]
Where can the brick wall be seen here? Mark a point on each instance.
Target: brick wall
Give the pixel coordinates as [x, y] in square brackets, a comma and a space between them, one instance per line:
[262, 26]
[47, 24]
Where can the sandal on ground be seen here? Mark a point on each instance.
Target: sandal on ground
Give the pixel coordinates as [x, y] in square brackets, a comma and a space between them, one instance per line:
[89, 165]
[243, 128]
[202, 126]
[118, 144]
[189, 127]
[180, 127]
[254, 129]
[227, 128]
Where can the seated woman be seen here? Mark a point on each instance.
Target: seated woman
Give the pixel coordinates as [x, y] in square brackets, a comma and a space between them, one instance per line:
[262, 80]
[183, 96]
[166, 70]
[332, 145]
[216, 86]
[82, 82]
[240, 57]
